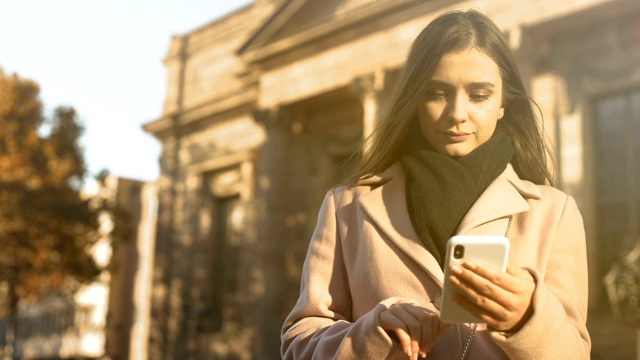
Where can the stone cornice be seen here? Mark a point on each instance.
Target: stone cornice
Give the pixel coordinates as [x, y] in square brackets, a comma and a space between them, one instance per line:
[201, 111]
[271, 26]
[256, 49]
[224, 161]
[239, 24]
[155, 127]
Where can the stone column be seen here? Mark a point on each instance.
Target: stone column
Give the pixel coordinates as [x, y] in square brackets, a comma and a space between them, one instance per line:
[369, 88]
[158, 337]
[163, 331]
[272, 192]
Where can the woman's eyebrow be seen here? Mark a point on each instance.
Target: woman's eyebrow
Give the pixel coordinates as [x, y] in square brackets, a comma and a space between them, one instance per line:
[481, 84]
[438, 83]
[473, 85]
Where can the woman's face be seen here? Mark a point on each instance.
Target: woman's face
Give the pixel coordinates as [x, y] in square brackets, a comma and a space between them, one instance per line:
[463, 102]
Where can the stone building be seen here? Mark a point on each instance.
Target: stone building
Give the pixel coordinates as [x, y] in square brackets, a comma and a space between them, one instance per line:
[265, 106]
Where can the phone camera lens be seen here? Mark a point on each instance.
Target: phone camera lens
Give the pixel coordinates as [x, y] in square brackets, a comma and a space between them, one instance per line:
[458, 252]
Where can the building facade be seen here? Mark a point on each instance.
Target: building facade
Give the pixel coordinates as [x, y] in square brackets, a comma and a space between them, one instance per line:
[265, 107]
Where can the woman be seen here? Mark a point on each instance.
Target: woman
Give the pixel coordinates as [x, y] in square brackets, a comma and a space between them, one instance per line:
[459, 152]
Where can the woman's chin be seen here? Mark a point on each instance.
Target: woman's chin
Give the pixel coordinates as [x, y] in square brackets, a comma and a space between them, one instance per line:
[456, 150]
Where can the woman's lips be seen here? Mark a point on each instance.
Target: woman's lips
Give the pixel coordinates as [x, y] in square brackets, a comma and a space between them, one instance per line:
[454, 136]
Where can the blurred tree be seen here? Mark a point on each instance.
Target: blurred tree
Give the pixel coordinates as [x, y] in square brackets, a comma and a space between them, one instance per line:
[46, 226]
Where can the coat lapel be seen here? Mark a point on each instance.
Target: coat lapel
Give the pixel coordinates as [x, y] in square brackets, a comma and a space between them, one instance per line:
[386, 205]
[503, 197]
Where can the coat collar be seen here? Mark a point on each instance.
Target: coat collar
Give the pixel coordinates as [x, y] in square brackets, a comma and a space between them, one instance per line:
[386, 205]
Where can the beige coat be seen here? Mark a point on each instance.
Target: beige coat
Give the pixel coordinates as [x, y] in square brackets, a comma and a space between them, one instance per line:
[365, 256]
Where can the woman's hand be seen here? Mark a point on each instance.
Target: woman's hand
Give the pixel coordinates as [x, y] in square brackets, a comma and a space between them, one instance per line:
[414, 326]
[501, 299]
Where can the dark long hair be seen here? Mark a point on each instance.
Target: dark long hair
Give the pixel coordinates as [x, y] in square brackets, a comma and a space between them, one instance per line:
[450, 32]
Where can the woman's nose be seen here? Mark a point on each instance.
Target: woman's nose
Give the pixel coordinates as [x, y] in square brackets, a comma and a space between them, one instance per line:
[458, 109]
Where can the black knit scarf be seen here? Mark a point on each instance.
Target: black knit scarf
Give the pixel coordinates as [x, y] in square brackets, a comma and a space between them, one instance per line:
[440, 189]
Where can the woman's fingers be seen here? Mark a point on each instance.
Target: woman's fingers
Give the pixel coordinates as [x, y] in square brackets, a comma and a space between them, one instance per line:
[415, 327]
[404, 326]
[483, 307]
[511, 280]
[429, 327]
[395, 326]
[481, 286]
[501, 299]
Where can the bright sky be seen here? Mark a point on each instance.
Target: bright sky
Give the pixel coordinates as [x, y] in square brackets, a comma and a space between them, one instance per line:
[104, 58]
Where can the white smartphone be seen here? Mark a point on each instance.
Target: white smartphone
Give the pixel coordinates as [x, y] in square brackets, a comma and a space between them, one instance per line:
[491, 251]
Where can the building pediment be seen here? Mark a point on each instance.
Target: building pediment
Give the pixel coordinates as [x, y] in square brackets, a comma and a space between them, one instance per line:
[299, 22]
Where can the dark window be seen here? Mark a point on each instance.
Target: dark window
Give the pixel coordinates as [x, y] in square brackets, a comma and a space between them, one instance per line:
[617, 135]
[224, 257]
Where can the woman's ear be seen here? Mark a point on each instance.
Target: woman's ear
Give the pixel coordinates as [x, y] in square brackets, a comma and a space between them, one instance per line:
[501, 113]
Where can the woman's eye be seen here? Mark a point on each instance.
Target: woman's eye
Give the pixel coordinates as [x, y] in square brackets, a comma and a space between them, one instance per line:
[479, 97]
[435, 95]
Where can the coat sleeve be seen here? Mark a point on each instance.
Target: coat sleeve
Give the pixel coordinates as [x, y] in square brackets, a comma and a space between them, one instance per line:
[557, 328]
[320, 324]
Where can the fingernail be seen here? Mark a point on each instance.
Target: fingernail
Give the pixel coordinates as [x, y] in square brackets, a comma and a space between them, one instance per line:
[470, 264]
[408, 351]
[456, 269]
[423, 354]
[454, 279]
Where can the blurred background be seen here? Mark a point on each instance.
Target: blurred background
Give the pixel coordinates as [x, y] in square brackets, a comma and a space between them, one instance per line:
[162, 163]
